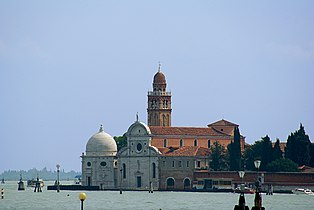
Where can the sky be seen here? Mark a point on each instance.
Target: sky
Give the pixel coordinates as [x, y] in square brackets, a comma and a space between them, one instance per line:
[68, 66]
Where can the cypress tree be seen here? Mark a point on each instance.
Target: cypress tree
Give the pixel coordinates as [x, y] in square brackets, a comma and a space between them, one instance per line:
[234, 149]
[298, 147]
[267, 152]
[277, 153]
[218, 162]
[312, 155]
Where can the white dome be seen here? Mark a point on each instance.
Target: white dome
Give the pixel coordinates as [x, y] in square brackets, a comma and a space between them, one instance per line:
[101, 143]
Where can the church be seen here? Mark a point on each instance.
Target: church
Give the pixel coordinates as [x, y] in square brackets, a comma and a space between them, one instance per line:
[158, 156]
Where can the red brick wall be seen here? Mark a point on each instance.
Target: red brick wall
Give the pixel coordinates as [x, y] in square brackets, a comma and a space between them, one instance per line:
[269, 178]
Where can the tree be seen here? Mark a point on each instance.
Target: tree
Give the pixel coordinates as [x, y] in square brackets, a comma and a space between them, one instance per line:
[267, 155]
[282, 165]
[261, 150]
[121, 141]
[312, 155]
[277, 153]
[234, 150]
[298, 147]
[218, 157]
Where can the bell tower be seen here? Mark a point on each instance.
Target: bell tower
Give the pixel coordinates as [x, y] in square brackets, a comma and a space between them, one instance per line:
[159, 102]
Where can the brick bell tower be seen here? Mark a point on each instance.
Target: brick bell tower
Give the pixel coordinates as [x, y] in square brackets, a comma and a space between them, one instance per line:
[159, 102]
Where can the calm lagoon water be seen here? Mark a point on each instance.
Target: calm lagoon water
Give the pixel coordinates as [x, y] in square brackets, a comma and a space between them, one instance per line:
[28, 199]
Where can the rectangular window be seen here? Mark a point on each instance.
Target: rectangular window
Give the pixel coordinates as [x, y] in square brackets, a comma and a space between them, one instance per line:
[187, 164]
[208, 143]
[124, 170]
[180, 163]
[139, 181]
[164, 163]
[198, 164]
[88, 181]
[172, 163]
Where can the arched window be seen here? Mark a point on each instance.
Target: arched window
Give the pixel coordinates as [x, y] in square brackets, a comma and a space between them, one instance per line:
[124, 170]
[187, 183]
[165, 142]
[195, 142]
[154, 170]
[156, 119]
[208, 143]
[170, 183]
[163, 120]
[181, 142]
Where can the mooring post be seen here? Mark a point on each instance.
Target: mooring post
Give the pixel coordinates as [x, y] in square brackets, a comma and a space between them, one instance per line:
[258, 196]
[2, 193]
[241, 205]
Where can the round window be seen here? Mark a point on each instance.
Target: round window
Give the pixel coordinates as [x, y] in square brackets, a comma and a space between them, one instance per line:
[139, 147]
[89, 164]
[103, 163]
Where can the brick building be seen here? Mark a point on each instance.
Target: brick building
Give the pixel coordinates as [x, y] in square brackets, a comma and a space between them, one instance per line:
[165, 157]
[157, 155]
[164, 135]
[184, 150]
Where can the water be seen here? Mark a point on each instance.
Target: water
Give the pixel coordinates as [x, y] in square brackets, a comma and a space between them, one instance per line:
[68, 200]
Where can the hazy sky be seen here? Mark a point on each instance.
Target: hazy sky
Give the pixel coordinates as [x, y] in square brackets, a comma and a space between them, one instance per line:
[68, 66]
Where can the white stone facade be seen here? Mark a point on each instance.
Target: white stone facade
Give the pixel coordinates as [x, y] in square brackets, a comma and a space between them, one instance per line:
[135, 167]
[99, 164]
[99, 171]
[138, 162]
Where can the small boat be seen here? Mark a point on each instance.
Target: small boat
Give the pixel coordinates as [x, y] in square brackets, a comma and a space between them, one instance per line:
[2, 181]
[78, 179]
[32, 182]
[246, 190]
[299, 191]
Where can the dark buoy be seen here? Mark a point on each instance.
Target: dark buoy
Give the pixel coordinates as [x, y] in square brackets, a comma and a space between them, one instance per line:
[2, 181]
[21, 185]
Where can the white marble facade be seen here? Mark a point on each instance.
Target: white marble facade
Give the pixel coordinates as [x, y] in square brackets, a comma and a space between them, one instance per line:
[138, 162]
[99, 163]
[133, 167]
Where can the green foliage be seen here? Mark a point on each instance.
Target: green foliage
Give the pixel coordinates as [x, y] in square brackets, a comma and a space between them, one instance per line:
[261, 150]
[298, 147]
[312, 154]
[234, 151]
[121, 141]
[277, 153]
[218, 157]
[282, 165]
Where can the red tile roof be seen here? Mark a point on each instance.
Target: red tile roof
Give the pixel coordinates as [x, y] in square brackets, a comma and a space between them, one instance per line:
[185, 131]
[188, 151]
[222, 123]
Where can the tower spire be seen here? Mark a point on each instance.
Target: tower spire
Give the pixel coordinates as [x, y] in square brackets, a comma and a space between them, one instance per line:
[159, 65]
[159, 102]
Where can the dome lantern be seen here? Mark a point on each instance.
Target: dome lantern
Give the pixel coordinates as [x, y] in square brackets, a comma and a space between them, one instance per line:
[101, 144]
